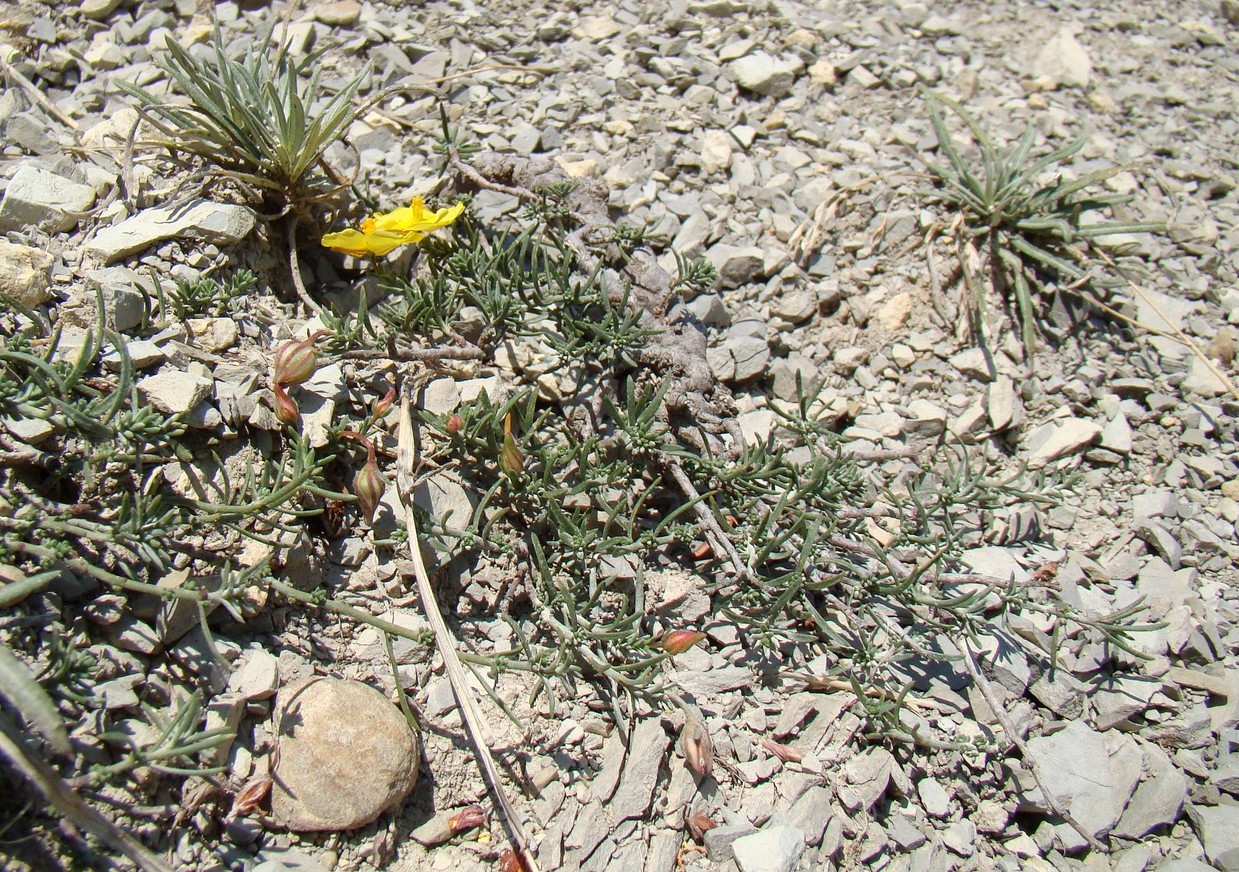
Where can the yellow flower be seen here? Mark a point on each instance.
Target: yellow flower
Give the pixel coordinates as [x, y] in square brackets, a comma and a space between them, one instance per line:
[383, 233]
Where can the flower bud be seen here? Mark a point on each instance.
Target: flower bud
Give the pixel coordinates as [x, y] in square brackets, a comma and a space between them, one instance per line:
[383, 406]
[510, 457]
[296, 360]
[369, 487]
[455, 423]
[679, 641]
[696, 745]
[285, 407]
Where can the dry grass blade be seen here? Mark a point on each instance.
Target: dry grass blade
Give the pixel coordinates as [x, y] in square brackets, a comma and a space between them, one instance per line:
[479, 732]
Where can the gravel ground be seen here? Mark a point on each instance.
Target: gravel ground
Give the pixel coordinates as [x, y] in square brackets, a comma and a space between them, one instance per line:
[787, 144]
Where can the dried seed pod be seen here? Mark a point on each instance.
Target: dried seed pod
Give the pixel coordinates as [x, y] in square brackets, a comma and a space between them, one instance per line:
[696, 745]
[699, 825]
[466, 819]
[510, 457]
[383, 406]
[250, 796]
[786, 753]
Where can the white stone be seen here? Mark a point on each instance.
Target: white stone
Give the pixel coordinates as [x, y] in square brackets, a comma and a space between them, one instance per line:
[1064, 59]
[763, 74]
[216, 223]
[774, 849]
[715, 151]
[174, 392]
[25, 273]
[1058, 439]
[1079, 768]
[38, 198]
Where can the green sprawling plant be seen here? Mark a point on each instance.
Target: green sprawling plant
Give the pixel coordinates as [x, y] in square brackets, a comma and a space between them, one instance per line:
[89, 499]
[264, 119]
[1034, 235]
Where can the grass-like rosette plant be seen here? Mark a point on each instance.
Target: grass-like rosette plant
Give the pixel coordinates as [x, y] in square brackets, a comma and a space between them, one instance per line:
[263, 118]
[1027, 231]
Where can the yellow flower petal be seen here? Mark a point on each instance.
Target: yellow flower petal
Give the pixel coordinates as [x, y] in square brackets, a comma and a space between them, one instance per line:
[347, 241]
[417, 217]
[384, 232]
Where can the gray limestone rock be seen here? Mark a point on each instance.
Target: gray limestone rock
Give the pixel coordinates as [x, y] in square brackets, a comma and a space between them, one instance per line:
[173, 392]
[1218, 827]
[774, 849]
[736, 265]
[763, 74]
[25, 273]
[1077, 765]
[1063, 59]
[216, 223]
[38, 198]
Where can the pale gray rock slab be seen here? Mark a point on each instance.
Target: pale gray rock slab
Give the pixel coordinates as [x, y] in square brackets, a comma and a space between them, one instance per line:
[995, 561]
[1163, 313]
[961, 838]
[317, 399]
[1058, 439]
[645, 756]
[810, 813]
[38, 198]
[904, 833]
[934, 798]
[866, 778]
[258, 677]
[1079, 768]
[663, 852]
[32, 431]
[711, 682]
[142, 354]
[736, 265]
[762, 73]
[1218, 828]
[1201, 380]
[974, 363]
[123, 306]
[173, 392]
[1117, 434]
[205, 220]
[1060, 692]
[1157, 802]
[773, 849]
[346, 755]
[25, 273]
[719, 841]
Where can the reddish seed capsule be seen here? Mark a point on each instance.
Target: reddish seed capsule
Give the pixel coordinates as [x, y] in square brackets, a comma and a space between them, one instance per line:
[466, 819]
[285, 407]
[369, 487]
[295, 361]
[679, 641]
[786, 753]
[383, 406]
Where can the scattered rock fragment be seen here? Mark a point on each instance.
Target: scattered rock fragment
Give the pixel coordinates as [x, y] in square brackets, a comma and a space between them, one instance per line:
[25, 273]
[217, 223]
